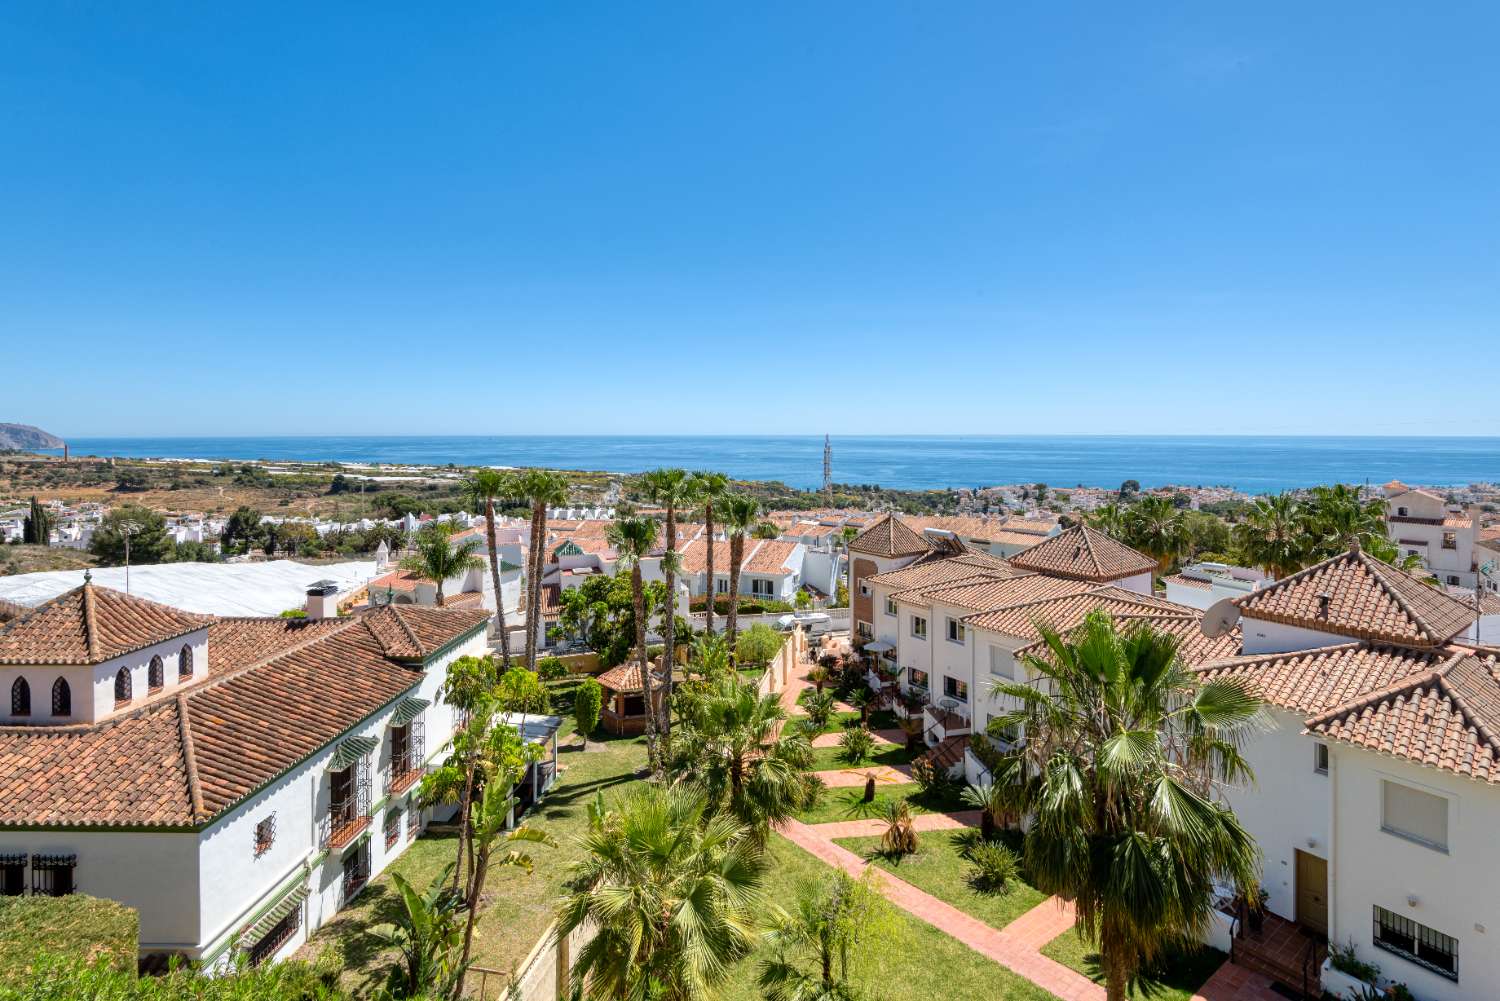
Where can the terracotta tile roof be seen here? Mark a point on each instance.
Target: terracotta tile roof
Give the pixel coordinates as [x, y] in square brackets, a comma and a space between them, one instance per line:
[982, 595]
[1023, 621]
[1005, 537]
[1446, 718]
[1030, 527]
[934, 570]
[1313, 681]
[812, 530]
[1367, 599]
[889, 537]
[1193, 648]
[182, 760]
[624, 678]
[1084, 554]
[1178, 578]
[769, 557]
[397, 580]
[551, 604]
[89, 625]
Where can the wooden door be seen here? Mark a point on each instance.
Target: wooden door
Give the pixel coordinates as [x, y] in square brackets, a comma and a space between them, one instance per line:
[1312, 893]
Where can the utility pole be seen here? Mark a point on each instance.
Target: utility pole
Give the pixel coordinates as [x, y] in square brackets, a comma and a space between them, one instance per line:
[127, 529]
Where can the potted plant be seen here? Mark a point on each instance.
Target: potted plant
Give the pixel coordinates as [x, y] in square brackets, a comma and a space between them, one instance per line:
[1256, 915]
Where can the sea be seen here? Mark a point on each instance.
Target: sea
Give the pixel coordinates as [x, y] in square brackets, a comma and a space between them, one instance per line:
[1252, 464]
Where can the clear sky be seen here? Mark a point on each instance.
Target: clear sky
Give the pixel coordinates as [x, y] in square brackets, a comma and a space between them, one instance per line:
[785, 217]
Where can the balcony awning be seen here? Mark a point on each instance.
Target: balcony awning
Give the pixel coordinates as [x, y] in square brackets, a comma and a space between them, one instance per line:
[408, 710]
[879, 646]
[273, 917]
[350, 750]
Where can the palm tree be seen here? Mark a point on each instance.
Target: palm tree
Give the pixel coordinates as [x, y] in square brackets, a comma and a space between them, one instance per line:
[1156, 527]
[1271, 536]
[634, 538]
[485, 487]
[674, 892]
[740, 515]
[1124, 757]
[426, 936]
[671, 488]
[1340, 521]
[1109, 519]
[830, 922]
[541, 489]
[731, 745]
[438, 559]
[709, 488]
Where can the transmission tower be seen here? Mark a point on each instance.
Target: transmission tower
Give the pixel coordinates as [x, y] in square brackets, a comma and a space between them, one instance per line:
[827, 466]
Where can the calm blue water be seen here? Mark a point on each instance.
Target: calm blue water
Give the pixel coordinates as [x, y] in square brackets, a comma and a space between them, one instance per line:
[1252, 464]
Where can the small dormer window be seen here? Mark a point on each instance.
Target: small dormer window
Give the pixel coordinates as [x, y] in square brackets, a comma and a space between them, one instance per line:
[185, 663]
[62, 698]
[155, 675]
[20, 698]
[122, 687]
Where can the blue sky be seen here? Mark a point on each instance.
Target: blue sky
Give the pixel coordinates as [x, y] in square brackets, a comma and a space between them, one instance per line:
[576, 217]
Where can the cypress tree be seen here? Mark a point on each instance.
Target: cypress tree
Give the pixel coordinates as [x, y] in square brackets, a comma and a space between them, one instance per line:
[37, 529]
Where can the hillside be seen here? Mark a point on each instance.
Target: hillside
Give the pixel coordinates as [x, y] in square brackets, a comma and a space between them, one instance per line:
[24, 436]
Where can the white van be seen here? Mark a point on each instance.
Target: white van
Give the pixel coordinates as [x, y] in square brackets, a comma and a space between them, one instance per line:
[815, 623]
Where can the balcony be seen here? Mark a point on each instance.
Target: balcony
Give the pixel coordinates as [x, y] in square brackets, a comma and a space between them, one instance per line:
[344, 822]
[407, 753]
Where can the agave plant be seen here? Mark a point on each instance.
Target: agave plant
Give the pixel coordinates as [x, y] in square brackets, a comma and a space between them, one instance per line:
[900, 836]
[856, 745]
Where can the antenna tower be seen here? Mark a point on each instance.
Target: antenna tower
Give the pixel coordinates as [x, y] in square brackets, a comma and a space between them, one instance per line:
[827, 466]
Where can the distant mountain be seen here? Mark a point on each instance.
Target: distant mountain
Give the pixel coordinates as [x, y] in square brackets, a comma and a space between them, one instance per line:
[26, 436]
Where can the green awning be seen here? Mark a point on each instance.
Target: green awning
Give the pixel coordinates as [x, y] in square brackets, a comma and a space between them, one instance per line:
[351, 750]
[273, 917]
[353, 846]
[408, 710]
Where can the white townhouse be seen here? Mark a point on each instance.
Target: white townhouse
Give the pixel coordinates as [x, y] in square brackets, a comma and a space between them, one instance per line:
[769, 568]
[998, 536]
[1423, 524]
[235, 780]
[1379, 780]
[1199, 585]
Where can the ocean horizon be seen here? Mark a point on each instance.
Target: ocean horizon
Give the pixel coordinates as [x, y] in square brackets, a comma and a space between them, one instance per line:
[1250, 463]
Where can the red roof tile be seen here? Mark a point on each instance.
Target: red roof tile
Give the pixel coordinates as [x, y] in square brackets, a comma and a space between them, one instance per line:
[89, 625]
[1083, 553]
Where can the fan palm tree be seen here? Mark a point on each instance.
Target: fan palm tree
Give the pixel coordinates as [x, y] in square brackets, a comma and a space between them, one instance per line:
[672, 489]
[1271, 536]
[1109, 519]
[733, 746]
[740, 515]
[1340, 520]
[996, 803]
[485, 487]
[438, 559]
[1124, 757]
[829, 924]
[634, 538]
[674, 892]
[709, 488]
[542, 489]
[1155, 527]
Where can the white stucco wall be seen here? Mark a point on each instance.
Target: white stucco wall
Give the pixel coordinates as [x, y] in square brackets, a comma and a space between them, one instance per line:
[1141, 583]
[1287, 808]
[1261, 636]
[1455, 892]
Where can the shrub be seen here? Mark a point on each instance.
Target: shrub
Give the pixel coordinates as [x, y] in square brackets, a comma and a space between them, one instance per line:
[757, 645]
[56, 979]
[1344, 959]
[856, 745]
[76, 927]
[900, 837]
[935, 782]
[994, 866]
[587, 702]
[551, 668]
[819, 706]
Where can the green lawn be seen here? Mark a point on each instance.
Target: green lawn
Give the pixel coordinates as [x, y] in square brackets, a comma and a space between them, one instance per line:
[827, 758]
[924, 965]
[1178, 979]
[518, 906]
[834, 806]
[938, 868]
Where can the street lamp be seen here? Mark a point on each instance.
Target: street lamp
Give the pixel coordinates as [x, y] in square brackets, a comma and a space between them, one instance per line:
[127, 529]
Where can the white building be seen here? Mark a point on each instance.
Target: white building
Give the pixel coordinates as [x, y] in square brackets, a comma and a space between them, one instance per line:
[1199, 585]
[1441, 535]
[236, 781]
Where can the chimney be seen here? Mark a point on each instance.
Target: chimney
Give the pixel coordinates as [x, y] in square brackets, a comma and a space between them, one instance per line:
[323, 600]
[1323, 601]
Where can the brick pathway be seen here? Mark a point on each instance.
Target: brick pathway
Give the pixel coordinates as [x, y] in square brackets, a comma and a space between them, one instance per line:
[999, 946]
[843, 778]
[881, 737]
[872, 826]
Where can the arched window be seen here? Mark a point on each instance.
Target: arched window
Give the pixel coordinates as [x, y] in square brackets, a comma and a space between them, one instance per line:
[122, 686]
[185, 662]
[62, 698]
[154, 672]
[20, 698]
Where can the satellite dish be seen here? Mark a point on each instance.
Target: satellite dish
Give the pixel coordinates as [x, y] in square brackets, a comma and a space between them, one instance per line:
[1222, 616]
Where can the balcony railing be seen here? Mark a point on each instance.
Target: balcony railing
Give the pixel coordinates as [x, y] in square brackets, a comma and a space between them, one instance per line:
[344, 822]
[407, 758]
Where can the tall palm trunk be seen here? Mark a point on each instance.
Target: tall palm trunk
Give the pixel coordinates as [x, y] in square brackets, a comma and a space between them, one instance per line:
[669, 622]
[736, 557]
[638, 593]
[708, 532]
[489, 531]
[440, 594]
[534, 584]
